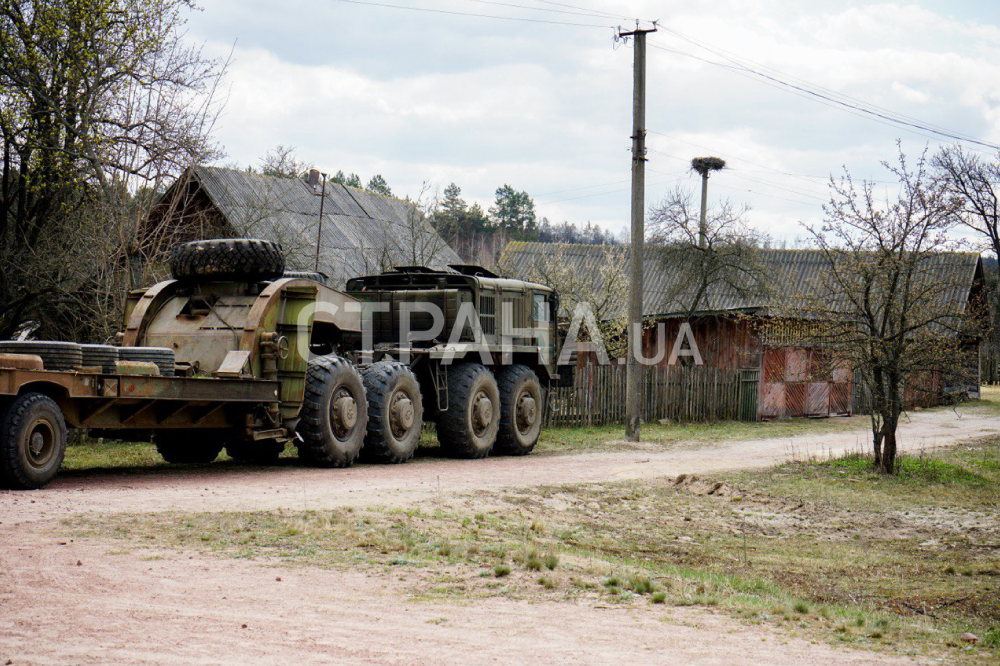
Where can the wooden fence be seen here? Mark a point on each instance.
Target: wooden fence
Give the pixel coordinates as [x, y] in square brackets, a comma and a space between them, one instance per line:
[686, 394]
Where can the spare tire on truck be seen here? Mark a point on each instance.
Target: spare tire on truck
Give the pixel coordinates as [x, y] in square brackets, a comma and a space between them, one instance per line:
[239, 259]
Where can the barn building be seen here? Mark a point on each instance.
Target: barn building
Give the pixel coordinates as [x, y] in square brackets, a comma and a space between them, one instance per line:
[741, 332]
[359, 232]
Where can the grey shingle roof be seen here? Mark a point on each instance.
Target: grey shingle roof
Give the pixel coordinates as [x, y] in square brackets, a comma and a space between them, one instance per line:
[362, 232]
[796, 273]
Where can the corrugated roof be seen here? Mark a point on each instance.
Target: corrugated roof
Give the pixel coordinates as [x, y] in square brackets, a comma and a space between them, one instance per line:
[788, 273]
[362, 232]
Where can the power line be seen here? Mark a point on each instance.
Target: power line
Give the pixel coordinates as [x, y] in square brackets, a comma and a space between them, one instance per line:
[741, 61]
[595, 12]
[835, 99]
[583, 187]
[385, 5]
[535, 9]
[615, 191]
[798, 192]
[742, 72]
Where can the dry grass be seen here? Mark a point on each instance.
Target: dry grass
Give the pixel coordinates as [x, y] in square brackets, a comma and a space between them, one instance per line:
[827, 549]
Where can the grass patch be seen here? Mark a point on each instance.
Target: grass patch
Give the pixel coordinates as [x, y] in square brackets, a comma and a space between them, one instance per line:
[827, 549]
[595, 438]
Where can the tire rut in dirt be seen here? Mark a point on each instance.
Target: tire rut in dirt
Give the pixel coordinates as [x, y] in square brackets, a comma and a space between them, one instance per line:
[243, 259]
[395, 412]
[468, 429]
[334, 413]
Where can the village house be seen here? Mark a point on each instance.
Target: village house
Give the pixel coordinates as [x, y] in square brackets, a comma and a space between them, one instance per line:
[361, 232]
[743, 334]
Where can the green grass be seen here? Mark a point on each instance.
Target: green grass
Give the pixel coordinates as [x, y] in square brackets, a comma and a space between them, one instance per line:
[829, 549]
[594, 438]
[117, 456]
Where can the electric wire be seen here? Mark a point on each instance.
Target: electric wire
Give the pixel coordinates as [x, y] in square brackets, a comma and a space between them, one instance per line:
[386, 5]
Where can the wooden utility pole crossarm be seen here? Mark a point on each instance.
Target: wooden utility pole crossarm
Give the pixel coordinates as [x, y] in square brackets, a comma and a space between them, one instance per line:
[633, 381]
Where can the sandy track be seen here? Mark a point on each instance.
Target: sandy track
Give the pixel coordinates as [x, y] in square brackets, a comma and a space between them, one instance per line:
[291, 487]
[190, 609]
[115, 609]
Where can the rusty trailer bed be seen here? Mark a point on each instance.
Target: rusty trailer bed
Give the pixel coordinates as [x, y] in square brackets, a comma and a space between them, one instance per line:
[112, 401]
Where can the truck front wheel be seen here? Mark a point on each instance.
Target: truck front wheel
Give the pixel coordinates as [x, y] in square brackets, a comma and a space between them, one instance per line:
[32, 442]
[395, 412]
[468, 429]
[521, 408]
[184, 447]
[334, 413]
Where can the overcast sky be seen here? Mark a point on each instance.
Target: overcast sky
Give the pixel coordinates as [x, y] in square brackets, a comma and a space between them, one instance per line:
[422, 96]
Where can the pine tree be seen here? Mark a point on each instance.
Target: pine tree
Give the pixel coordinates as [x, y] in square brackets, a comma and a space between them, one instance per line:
[514, 212]
[378, 185]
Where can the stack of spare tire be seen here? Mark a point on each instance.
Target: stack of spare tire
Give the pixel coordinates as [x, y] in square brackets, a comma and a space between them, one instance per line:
[55, 355]
[163, 357]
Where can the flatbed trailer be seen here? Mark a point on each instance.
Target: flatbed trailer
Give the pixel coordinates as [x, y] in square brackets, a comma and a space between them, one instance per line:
[131, 402]
[38, 406]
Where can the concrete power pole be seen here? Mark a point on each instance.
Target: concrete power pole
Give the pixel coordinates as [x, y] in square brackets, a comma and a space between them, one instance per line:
[705, 166]
[633, 376]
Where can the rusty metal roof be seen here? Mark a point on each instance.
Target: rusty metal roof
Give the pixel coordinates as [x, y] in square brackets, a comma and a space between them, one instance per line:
[789, 274]
[362, 232]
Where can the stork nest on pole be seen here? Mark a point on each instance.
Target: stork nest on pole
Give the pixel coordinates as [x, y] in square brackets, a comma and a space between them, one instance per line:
[703, 165]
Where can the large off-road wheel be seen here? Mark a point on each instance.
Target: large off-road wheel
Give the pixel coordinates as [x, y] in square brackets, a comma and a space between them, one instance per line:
[32, 442]
[334, 414]
[468, 429]
[242, 259]
[181, 447]
[395, 412]
[264, 452]
[521, 407]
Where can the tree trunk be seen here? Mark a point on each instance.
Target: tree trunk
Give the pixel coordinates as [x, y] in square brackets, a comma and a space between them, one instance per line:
[888, 463]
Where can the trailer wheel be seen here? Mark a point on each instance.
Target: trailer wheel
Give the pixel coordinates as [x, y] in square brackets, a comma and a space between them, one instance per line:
[520, 410]
[227, 259]
[395, 412]
[468, 429]
[334, 415]
[181, 447]
[32, 442]
[255, 453]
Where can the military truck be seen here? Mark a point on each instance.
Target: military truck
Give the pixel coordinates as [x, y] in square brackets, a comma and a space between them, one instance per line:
[234, 354]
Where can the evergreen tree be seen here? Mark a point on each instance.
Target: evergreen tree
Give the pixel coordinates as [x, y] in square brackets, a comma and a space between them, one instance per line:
[378, 185]
[514, 212]
[354, 180]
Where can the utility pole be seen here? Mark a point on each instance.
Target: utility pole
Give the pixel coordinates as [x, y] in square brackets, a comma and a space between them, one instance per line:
[633, 373]
[704, 166]
[319, 231]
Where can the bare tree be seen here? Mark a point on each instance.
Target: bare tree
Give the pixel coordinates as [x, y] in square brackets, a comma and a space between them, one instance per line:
[603, 287]
[974, 185]
[281, 162]
[100, 103]
[721, 260]
[880, 303]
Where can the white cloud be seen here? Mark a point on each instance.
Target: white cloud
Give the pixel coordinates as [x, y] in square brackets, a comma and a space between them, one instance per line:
[547, 108]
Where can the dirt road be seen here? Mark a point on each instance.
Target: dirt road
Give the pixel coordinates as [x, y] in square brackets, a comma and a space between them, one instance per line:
[81, 603]
[297, 488]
